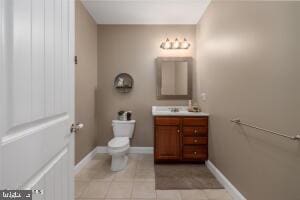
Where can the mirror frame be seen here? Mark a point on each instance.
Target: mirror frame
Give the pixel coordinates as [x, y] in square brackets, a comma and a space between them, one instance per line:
[159, 62]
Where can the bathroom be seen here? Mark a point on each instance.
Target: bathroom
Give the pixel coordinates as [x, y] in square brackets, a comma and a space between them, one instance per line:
[149, 99]
[238, 56]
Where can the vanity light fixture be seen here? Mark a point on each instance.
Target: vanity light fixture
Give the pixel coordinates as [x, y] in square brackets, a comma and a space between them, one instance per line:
[175, 45]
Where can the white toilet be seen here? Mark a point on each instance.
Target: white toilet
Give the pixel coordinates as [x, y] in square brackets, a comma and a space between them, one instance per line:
[118, 146]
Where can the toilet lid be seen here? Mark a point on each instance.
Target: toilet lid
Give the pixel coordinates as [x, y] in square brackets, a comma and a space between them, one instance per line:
[118, 142]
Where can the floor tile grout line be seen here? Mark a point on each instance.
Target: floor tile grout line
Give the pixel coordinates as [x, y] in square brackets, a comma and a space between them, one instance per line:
[131, 197]
[133, 184]
[110, 183]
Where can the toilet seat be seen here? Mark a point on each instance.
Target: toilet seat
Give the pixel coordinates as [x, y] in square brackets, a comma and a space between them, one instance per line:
[118, 143]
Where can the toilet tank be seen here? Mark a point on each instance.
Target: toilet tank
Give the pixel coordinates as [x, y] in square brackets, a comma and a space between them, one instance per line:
[123, 128]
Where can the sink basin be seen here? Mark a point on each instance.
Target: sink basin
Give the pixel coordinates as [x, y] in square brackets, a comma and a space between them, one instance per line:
[174, 111]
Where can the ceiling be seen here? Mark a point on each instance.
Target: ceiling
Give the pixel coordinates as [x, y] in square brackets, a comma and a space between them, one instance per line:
[146, 11]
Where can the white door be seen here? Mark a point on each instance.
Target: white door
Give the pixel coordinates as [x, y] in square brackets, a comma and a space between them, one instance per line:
[37, 96]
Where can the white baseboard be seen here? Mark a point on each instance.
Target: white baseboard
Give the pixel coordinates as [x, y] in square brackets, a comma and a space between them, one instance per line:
[141, 150]
[101, 149]
[224, 181]
[137, 150]
[85, 160]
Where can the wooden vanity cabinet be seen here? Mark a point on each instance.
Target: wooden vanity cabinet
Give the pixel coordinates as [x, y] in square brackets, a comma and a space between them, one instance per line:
[181, 138]
[167, 138]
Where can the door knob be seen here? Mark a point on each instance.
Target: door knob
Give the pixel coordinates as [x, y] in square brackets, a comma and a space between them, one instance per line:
[76, 127]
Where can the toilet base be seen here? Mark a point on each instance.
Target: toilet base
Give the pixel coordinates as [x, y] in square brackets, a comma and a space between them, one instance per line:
[118, 162]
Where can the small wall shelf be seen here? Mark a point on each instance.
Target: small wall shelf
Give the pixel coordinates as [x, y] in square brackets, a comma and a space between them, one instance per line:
[123, 83]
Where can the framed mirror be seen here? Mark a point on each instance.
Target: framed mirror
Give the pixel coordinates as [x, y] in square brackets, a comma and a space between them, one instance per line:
[174, 77]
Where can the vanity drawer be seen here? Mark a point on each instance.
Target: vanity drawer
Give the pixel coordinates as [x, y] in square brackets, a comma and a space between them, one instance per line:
[195, 140]
[195, 152]
[167, 121]
[195, 131]
[199, 121]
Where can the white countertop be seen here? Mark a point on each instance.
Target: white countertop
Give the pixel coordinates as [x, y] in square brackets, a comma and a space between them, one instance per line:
[183, 111]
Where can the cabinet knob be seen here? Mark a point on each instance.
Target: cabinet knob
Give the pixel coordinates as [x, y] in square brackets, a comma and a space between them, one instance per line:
[195, 131]
[195, 141]
[195, 153]
[178, 131]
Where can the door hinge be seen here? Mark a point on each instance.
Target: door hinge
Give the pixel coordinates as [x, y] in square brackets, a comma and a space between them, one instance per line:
[75, 60]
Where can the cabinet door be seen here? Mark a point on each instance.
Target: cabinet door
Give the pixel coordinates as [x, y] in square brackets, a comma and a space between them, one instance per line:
[167, 143]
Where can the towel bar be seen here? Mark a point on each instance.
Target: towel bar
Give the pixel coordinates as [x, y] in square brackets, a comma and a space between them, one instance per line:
[238, 121]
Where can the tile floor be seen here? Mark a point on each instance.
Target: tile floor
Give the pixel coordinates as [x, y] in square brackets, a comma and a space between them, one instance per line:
[137, 182]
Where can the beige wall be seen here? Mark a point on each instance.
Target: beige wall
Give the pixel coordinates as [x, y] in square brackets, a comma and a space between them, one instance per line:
[132, 49]
[249, 66]
[85, 81]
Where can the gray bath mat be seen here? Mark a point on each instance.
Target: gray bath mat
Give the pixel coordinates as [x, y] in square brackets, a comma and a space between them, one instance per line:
[184, 176]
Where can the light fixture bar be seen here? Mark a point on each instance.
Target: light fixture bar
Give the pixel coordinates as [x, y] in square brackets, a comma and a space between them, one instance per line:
[175, 44]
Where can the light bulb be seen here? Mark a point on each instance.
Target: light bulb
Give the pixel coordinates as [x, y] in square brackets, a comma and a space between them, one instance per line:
[185, 44]
[167, 44]
[176, 44]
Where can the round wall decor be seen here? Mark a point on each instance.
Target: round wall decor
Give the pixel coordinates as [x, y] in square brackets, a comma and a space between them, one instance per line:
[123, 83]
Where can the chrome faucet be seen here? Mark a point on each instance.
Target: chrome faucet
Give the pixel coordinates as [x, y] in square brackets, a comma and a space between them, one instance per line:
[174, 109]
